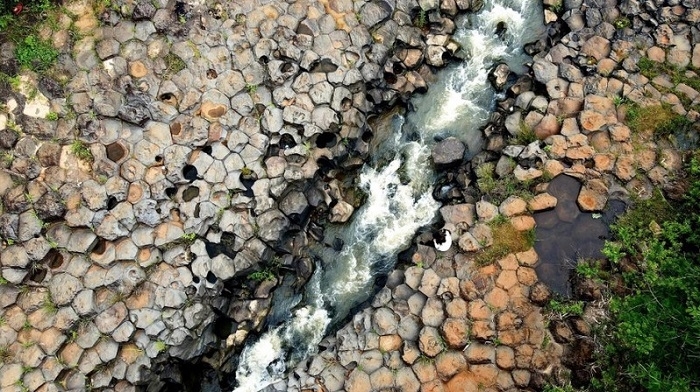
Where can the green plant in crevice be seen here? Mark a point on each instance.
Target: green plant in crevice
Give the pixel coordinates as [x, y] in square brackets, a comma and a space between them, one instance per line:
[81, 151]
[421, 20]
[259, 276]
[622, 22]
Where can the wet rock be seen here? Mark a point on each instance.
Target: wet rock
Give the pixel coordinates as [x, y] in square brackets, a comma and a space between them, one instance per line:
[499, 76]
[540, 294]
[448, 152]
[341, 212]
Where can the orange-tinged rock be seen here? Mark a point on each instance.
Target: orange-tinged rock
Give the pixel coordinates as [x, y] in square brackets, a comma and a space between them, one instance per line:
[211, 111]
[389, 343]
[497, 298]
[449, 363]
[529, 257]
[507, 279]
[527, 276]
[137, 69]
[522, 222]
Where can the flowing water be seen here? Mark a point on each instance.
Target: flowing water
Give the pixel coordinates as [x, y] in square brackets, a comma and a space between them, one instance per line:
[399, 186]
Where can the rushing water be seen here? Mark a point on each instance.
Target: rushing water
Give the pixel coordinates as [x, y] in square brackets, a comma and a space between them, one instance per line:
[457, 105]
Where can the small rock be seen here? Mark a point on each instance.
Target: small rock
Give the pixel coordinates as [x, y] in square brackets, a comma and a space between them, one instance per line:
[593, 196]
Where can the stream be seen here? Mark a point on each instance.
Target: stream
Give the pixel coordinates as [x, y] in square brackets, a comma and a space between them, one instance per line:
[398, 182]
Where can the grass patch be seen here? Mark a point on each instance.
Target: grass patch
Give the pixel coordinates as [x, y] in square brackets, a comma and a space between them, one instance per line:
[81, 150]
[35, 53]
[652, 69]
[525, 136]
[259, 276]
[506, 240]
[565, 308]
[499, 189]
[660, 119]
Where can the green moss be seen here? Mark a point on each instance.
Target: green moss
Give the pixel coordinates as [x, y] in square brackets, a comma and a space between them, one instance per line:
[173, 64]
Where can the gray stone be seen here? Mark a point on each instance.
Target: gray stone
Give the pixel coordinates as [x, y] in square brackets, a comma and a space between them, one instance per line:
[272, 224]
[29, 225]
[81, 241]
[14, 256]
[63, 288]
[375, 12]
[430, 342]
[384, 321]
[109, 320]
[448, 152]
[135, 108]
[88, 335]
[544, 70]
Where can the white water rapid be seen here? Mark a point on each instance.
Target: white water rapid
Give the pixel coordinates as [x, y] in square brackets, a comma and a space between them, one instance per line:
[457, 105]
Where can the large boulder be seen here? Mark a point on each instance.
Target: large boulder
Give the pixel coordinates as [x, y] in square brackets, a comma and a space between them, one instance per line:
[448, 152]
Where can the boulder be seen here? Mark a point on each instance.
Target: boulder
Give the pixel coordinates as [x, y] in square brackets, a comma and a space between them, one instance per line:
[448, 152]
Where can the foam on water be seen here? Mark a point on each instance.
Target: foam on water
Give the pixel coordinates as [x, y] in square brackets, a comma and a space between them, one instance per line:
[399, 191]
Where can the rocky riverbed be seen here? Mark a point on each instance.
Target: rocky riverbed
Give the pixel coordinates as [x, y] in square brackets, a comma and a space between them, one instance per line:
[179, 148]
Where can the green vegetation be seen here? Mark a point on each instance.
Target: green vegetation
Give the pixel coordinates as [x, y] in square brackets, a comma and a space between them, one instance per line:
[421, 20]
[565, 308]
[525, 136]
[652, 69]
[259, 276]
[506, 239]
[81, 150]
[251, 88]
[173, 64]
[660, 119]
[189, 238]
[52, 116]
[622, 22]
[35, 53]
[160, 346]
[499, 189]
[654, 343]
[4, 354]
